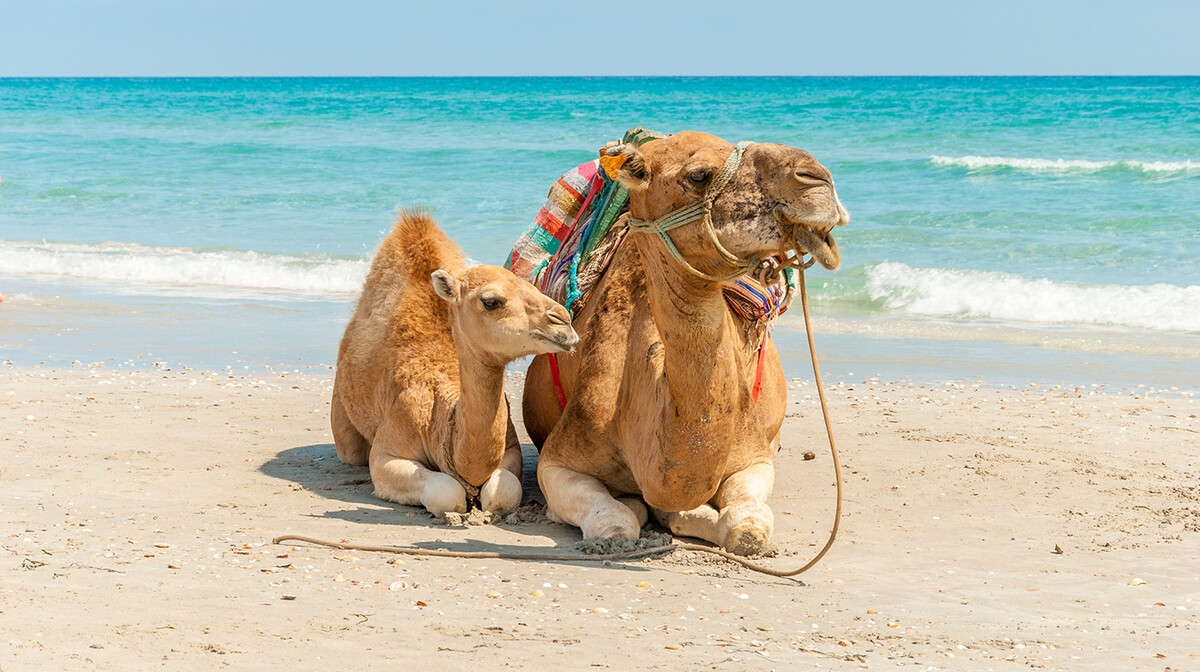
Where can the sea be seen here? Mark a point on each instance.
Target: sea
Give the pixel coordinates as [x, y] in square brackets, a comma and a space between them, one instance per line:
[1004, 231]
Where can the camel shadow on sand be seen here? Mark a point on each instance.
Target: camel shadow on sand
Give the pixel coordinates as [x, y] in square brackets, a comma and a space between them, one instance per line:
[317, 469]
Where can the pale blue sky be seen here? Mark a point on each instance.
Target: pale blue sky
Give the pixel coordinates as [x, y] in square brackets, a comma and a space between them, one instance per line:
[597, 37]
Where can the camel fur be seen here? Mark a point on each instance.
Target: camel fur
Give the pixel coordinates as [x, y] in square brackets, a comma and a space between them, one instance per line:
[659, 408]
[429, 335]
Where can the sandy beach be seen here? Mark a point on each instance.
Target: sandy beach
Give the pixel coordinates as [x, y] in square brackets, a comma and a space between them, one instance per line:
[1001, 208]
[984, 528]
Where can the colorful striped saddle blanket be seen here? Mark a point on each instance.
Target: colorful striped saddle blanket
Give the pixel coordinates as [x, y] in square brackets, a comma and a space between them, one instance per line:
[571, 241]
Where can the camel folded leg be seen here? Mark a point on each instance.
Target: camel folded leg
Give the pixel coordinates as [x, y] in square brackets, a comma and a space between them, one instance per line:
[745, 523]
[409, 482]
[638, 507]
[501, 493]
[583, 501]
[352, 447]
[700, 522]
[741, 522]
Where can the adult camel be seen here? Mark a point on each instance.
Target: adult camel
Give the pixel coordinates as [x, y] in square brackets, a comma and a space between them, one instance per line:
[660, 392]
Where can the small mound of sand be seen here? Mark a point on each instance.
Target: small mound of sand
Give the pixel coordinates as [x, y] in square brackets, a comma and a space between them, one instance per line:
[621, 545]
[527, 514]
[472, 517]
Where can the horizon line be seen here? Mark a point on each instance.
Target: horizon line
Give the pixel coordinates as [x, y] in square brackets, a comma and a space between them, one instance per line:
[880, 76]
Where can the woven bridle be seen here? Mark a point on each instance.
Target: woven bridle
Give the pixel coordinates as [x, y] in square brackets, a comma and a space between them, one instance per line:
[700, 209]
[766, 271]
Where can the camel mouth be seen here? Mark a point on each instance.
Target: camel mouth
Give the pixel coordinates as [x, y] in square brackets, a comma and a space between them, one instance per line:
[812, 238]
[820, 244]
[562, 342]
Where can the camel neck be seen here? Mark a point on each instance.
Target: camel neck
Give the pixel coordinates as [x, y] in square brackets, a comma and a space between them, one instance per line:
[702, 353]
[481, 416]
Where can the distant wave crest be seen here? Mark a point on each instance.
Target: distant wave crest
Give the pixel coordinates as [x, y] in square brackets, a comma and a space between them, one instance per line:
[1065, 165]
[1008, 297]
[137, 264]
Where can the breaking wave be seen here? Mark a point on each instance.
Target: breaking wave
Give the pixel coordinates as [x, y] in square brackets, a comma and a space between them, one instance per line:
[1007, 297]
[130, 263]
[1066, 165]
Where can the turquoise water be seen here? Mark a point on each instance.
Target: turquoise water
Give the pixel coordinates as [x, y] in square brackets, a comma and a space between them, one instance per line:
[995, 221]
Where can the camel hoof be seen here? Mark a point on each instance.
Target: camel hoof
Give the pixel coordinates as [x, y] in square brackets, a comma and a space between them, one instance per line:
[501, 493]
[442, 494]
[605, 522]
[745, 540]
[745, 529]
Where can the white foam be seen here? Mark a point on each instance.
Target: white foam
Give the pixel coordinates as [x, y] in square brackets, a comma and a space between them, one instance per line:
[1164, 166]
[141, 265]
[1063, 165]
[1014, 298]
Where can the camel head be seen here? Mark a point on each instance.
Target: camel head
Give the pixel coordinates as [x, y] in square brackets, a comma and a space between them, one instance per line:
[502, 316]
[780, 198]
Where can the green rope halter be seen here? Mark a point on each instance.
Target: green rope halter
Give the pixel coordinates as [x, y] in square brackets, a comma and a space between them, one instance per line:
[700, 209]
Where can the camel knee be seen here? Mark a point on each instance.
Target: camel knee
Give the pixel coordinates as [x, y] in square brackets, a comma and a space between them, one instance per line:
[501, 493]
[610, 519]
[752, 484]
[442, 494]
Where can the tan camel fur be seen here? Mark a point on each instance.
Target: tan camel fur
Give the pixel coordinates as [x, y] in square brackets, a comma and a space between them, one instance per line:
[659, 391]
[430, 335]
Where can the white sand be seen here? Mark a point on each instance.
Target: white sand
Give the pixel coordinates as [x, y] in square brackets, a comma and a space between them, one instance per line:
[138, 511]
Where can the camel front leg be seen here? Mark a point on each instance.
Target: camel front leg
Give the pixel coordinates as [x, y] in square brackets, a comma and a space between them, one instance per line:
[409, 482]
[745, 521]
[583, 501]
[701, 522]
[501, 493]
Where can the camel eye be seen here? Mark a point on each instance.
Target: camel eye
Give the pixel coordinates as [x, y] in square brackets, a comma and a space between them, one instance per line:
[699, 176]
[490, 303]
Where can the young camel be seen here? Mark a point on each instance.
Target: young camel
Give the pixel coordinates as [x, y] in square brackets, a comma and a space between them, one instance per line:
[419, 389]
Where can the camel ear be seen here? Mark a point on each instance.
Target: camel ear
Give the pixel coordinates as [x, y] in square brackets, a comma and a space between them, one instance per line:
[445, 285]
[634, 171]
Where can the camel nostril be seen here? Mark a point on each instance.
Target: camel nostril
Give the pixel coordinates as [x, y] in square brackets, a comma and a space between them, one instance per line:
[807, 179]
[558, 317]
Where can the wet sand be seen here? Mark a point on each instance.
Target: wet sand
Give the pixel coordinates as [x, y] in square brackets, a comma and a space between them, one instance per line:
[1053, 528]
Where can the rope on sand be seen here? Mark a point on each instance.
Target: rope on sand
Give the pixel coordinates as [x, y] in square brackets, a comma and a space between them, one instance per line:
[663, 550]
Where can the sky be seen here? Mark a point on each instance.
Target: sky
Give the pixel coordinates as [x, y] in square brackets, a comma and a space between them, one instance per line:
[166, 38]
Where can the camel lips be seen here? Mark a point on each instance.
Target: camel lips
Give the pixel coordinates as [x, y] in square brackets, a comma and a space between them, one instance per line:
[820, 244]
[566, 345]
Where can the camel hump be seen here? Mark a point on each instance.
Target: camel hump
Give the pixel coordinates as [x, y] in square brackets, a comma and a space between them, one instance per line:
[418, 246]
